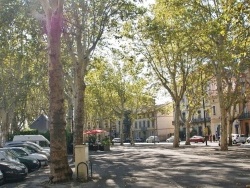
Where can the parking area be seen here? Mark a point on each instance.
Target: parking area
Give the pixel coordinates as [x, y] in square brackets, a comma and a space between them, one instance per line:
[159, 166]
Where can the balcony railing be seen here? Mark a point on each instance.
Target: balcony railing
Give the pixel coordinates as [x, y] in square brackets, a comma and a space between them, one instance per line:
[200, 120]
[195, 120]
[245, 115]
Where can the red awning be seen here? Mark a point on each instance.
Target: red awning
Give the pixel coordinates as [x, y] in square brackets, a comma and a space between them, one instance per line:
[94, 131]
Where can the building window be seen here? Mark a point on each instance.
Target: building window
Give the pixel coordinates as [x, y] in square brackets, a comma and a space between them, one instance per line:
[199, 114]
[207, 114]
[184, 115]
[153, 123]
[136, 125]
[148, 123]
[214, 112]
[144, 123]
[139, 124]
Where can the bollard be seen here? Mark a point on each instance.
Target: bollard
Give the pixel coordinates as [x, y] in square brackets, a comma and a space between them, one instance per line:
[81, 156]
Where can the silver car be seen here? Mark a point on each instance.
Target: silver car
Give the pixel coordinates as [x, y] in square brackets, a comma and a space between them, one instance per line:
[116, 140]
[153, 139]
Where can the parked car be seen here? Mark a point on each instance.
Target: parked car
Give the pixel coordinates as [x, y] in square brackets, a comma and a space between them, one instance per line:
[152, 139]
[8, 156]
[43, 160]
[12, 170]
[248, 140]
[239, 138]
[116, 140]
[197, 139]
[1, 178]
[34, 148]
[138, 139]
[38, 139]
[171, 139]
[31, 163]
[127, 140]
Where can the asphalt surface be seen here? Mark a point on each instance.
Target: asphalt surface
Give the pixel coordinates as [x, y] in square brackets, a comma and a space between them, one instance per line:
[157, 166]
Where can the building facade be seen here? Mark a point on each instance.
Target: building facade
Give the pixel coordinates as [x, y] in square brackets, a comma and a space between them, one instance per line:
[209, 115]
[147, 123]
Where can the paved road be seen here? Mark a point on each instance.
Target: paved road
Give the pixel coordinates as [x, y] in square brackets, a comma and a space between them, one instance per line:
[153, 166]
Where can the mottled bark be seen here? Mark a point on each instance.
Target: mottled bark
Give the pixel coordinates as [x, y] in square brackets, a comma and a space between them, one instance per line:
[79, 109]
[59, 167]
[223, 137]
[177, 125]
[187, 133]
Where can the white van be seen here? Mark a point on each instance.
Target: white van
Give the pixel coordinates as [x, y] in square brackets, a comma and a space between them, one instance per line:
[38, 139]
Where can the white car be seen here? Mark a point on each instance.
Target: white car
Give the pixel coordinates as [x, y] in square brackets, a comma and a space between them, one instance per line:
[153, 139]
[116, 140]
[171, 139]
[248, 140]
[239, 138]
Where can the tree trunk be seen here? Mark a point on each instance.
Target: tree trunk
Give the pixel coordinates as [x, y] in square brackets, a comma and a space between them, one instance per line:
[187, 133]
[59, 167]
[121, 129]
[230, 130]
[79, 109]
[177, 125]
[223, 136]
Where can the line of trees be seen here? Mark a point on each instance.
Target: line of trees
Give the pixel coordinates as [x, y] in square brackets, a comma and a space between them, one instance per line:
[52, 60]
[181, 40]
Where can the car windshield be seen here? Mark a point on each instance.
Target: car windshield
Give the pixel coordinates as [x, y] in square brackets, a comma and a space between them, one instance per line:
[9, 155]
[20, 152]
[14, 153]
[36, 146]
[26, 150]
[31, 149]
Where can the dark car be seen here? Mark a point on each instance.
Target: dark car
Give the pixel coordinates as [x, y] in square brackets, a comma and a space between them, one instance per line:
[138, 139]
[127, 140]
[31, 163]
[12, 170]
[1, 178]
[197, 139]
[34, 148]
[25, 152]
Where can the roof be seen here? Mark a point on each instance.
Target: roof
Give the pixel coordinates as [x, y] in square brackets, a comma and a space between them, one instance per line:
[41, 124]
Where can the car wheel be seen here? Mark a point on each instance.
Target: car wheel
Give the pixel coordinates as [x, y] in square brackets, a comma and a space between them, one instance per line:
[234, 142]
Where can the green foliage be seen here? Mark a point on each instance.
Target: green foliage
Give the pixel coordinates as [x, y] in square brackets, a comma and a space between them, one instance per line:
[28, 132]
[106, 141]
